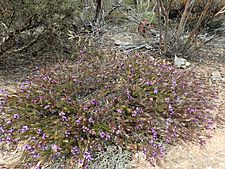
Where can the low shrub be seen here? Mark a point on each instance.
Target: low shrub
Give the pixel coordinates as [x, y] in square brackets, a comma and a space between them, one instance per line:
[75, 110]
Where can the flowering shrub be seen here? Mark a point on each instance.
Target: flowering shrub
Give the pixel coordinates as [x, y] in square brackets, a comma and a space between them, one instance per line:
[74, 110]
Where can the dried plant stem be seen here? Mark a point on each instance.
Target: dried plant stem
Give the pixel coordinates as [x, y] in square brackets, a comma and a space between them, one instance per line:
[194, 32]
[160, 26]
[166, 18]
[182, 22]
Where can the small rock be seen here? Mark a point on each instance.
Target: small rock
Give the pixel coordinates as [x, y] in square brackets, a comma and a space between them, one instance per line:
[181, 62]
[121, 43]
[216, 76]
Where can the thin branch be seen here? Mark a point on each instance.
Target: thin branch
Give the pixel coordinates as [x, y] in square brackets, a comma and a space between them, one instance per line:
[166, 16]
[160, 26]
[203, 14]
[182, 22]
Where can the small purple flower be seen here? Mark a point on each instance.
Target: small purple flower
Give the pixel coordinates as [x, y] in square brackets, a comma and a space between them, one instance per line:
[82, 51]
[64, 118]
[39, 131]
[162, 150]
[91, 120]
[55, 148]
[40, 145]
[46, 107]
[148, 83]
[108, 137]
[154, 154]
[2, 130]
[44, 136]
[27, 147]
[2, 91]
[87, 156]
[119, 111]
[134, 113]
[86, 167]
[118, 132]
[167, 100]
[10, 130]
[75, 151]
[24, 129]
[156, 91]
[36, 155]
[33, 138]
[9, 139]
[62, 113]
[78, 122]
[16, 116]
[94, 102]
[154, 133]
[9, 122]
[102, 134]
[171, 109]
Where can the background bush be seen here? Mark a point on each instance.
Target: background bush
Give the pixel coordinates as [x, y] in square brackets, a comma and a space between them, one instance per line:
[73, 111]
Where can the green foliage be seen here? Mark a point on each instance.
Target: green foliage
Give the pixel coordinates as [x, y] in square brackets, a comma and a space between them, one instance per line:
[151, 17]
[74, 111]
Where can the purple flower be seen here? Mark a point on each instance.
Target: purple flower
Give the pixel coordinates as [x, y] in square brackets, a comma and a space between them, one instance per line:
[134, 113]
[154, 154]
[167, 100]
[36, 155]
[102, 134]
[27, 147]
[2, 130]
[75, 150]
[62, 113]
[9, 122]
[94, 102]
[137, 111]
[10, 130]
[87, 156]
[91, 120]
[118, 132]
[16, 116]
[55, 148]
[24, 129]
[154, 133]
[64, 118]
[107, 137]
[156, 91]
[44, 136]
[39, 131]
[46, 107]
[171, 109]
[119, 111]
[78, 122]
[2, 91]
[33, 138]
[40, 145]
[148, 83]
[82, 51]
[37, 166]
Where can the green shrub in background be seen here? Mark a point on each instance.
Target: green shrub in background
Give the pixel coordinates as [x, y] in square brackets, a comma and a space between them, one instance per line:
[75, 111]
